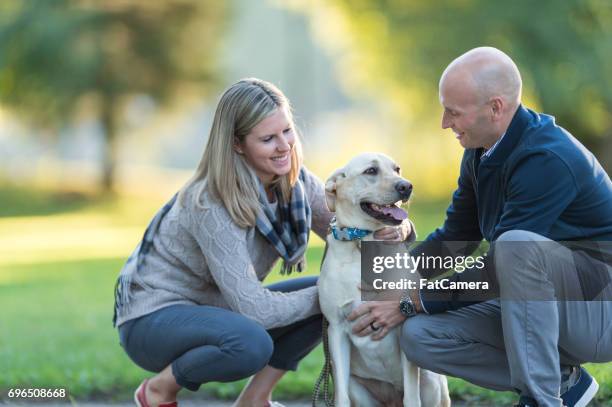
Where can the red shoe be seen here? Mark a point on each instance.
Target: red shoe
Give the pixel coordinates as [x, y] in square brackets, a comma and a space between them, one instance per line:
[140, 397]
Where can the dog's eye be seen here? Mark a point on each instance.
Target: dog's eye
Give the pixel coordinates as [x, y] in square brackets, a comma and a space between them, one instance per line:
[371, 171]
[398, 169]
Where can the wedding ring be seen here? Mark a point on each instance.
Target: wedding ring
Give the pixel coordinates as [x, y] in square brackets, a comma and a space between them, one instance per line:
[374, 327]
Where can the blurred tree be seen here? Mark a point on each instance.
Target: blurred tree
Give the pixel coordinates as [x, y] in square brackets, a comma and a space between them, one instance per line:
[54, 53]
[563, 48]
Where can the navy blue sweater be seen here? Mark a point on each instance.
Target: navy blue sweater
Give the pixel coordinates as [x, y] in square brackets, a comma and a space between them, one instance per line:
[539, 178]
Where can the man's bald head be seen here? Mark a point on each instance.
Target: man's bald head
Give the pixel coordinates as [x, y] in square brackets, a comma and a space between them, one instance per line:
[480, 92]
[488, 72]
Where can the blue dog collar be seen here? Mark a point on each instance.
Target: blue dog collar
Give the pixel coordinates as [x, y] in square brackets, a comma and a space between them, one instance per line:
[347, 234]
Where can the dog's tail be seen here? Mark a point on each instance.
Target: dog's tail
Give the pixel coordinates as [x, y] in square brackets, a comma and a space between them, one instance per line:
[325, 381]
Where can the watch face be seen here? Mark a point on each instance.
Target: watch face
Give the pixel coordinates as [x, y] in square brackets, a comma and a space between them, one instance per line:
[407, 308]
[411, 309]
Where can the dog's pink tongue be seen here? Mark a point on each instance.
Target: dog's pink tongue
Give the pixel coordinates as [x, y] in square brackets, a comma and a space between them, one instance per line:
[395, 212]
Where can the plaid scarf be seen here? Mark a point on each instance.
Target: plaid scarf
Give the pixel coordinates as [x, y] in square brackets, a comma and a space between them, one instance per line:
[288, 232]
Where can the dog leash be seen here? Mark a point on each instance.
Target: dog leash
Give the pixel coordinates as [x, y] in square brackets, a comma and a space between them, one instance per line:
[326, 376]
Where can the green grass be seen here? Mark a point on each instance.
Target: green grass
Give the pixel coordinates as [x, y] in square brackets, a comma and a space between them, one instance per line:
[29, 202]
[56, 297]
[58, 329]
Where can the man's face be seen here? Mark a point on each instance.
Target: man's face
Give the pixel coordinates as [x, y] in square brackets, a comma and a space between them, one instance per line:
[466, 114]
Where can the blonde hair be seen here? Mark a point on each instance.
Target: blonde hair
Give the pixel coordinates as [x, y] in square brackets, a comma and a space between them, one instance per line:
[225, 173]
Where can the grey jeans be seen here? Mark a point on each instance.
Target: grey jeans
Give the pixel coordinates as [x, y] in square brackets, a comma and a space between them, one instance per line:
[210, 344]
[518, 342]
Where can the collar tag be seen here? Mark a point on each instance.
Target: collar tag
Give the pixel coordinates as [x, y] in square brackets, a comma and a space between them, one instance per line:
[347, 234]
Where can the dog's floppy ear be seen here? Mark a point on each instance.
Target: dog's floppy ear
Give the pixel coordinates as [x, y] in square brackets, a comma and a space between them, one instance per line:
[330, 189]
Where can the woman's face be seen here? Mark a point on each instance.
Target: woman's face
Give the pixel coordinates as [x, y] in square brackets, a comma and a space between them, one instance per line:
[267, 148]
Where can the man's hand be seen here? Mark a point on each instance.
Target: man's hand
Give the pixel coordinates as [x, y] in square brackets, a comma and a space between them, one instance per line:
[383, 315]
[394, 233]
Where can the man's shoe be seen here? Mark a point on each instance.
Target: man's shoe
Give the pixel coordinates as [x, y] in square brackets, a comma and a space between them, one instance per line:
[582, 389]
[526, 401]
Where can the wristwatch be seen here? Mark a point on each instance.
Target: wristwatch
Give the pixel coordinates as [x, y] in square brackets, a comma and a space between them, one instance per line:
[407, 307]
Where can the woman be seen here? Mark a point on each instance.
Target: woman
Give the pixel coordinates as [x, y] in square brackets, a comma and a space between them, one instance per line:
[189, 302]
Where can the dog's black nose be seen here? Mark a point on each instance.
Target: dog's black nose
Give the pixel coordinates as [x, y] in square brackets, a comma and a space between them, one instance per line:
[404, 188]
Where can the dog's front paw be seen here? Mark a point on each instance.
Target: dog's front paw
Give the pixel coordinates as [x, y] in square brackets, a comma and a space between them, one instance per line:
[348, 307]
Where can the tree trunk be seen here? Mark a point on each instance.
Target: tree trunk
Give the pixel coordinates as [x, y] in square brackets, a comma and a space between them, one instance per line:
[109, 154]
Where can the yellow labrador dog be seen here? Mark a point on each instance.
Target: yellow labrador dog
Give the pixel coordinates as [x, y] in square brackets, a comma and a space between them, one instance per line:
[365, 194]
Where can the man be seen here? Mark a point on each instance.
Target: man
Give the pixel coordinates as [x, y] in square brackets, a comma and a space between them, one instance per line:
[524, 185]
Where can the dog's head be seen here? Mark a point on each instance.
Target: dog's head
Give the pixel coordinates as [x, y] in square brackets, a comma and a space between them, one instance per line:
[366, 193]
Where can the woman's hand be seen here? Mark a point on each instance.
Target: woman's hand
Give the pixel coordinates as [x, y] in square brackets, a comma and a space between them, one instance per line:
[394, 233]
[376, 318]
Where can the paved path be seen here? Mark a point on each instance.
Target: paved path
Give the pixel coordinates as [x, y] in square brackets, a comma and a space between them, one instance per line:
[186, 403]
